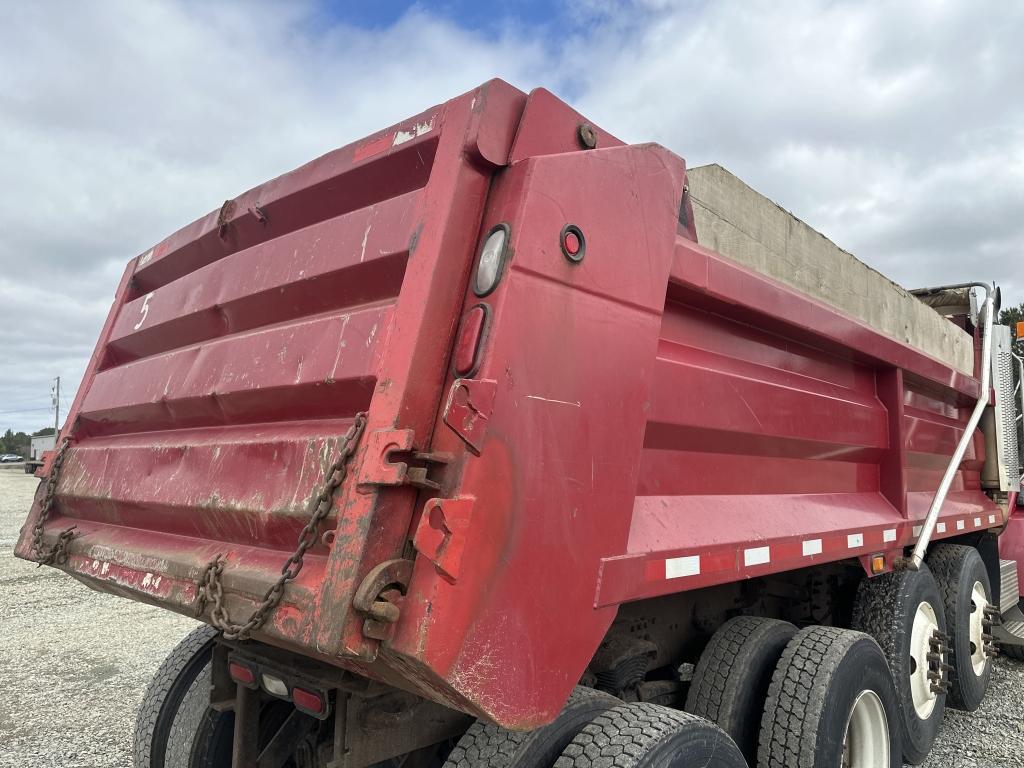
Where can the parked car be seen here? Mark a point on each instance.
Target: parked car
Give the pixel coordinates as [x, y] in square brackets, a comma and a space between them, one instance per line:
[10, 458]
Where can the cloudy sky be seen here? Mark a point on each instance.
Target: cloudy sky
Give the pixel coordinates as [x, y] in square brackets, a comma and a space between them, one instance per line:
[895, 128]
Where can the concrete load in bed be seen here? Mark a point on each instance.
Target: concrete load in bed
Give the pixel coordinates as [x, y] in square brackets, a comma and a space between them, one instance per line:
[747, 227]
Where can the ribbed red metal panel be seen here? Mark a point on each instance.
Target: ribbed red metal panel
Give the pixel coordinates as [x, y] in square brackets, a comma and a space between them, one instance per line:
[238, 351]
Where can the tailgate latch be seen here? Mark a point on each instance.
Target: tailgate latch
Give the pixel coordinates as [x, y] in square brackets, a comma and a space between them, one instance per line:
[469, 406]
[379, 469]
[441, 533]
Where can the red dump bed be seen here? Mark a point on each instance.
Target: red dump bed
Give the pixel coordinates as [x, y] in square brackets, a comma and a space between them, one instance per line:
[633, 415]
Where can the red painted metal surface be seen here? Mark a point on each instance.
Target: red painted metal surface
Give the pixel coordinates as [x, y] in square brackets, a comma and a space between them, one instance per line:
[643, 418]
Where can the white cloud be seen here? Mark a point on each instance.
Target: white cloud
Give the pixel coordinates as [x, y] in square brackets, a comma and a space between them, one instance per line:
[894, 128]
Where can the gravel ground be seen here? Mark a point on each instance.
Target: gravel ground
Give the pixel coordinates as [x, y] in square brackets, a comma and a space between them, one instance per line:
[992, 737]
[74, 664]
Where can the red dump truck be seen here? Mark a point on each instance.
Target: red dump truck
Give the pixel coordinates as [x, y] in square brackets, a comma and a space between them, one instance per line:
[466, 451]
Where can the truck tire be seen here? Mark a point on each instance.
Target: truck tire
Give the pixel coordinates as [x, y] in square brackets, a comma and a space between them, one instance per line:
[159, 724]
[485, 744]
[831, 702]
[644, 735]
[1015, 652]
[966, 592]
[730, 682]
[904, 612]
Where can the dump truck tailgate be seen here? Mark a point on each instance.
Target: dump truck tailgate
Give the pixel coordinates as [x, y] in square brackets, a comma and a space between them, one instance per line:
[239, 350]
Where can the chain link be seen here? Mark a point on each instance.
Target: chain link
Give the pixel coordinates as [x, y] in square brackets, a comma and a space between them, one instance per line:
[58, 553]
[211, 589]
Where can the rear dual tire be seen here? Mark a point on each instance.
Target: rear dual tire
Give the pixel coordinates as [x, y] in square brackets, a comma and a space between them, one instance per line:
[486, 745]
[966, 593]
[831, 702]
[645, 735]
[1015, 652]
[731, 680]
[596, 730]
[174, 703]
[903, 611]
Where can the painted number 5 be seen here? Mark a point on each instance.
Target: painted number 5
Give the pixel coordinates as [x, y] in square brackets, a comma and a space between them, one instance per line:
[144, 310]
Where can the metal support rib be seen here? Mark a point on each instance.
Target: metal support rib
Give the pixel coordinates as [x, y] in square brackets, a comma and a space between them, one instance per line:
[1020, 392]
[1020, 385]
[928, 527]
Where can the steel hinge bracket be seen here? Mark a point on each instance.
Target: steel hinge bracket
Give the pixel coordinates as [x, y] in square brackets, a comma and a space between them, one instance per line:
[379, 595]
[379, 468]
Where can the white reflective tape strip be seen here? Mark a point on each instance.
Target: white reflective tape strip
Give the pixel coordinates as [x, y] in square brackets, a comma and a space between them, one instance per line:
[889, 534]
[917, 531]
[991, 519]
[677, 567]
[757, 556]
[941, 527]
[960, 525]
[977, 522]
[855, 540]
[812, 547]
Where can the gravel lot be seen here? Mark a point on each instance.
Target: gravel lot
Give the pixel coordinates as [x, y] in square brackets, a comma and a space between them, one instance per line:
[74, 664]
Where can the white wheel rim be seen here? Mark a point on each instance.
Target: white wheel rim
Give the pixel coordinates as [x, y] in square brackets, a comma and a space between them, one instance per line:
[866, 741]
[924, 628]
[979, 602]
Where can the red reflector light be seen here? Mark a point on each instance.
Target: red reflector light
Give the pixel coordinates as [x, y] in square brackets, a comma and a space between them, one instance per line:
[572, 243]
[468, 344]
[242, 674]
[574, 246]
[308, 701]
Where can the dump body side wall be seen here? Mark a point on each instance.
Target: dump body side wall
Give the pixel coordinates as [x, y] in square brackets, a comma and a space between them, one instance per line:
[745, 226]
[804, 437]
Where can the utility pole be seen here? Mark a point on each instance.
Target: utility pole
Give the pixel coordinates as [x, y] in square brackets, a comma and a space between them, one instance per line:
[56, 406]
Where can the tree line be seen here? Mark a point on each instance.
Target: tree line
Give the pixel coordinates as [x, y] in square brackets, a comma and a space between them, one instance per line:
[1011, 316]
[20, 442]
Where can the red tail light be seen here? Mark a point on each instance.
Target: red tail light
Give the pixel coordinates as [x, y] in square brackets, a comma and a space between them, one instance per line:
[311, 702]
[242, 674]
[467, 348]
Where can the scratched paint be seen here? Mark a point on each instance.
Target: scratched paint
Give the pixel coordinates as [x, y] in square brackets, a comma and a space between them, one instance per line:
[415, 131]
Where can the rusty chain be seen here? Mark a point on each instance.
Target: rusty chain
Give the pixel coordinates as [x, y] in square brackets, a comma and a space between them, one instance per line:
[58, 553]
[211, 590]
